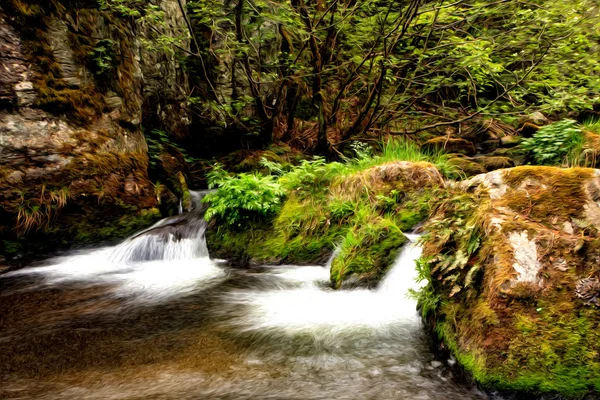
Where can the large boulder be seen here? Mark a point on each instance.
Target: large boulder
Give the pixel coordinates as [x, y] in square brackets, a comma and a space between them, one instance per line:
[73, 158]
[513, 261]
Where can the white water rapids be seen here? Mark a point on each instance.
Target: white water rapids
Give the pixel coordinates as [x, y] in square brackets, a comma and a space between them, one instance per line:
[155, 317]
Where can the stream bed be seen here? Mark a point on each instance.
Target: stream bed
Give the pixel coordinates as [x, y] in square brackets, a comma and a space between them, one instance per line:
[156, 318]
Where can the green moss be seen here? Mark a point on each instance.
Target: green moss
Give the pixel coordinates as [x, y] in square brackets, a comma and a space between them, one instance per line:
[363, 211]
[534, 339]
[529, 194]
[367, 251]
[467, 166]
[125, 226]
[11, 248]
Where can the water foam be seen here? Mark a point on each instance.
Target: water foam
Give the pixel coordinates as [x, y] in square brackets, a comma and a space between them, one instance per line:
[166, 260]
[308, 307]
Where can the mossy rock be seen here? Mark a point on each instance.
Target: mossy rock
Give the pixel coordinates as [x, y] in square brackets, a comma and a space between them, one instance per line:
[450, 145]
[467, 166]
[366, 211]
[492, 163]
[80, 226]
[512, 258]
[366, 253]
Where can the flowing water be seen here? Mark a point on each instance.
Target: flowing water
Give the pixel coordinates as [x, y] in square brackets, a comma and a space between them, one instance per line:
[156, 318]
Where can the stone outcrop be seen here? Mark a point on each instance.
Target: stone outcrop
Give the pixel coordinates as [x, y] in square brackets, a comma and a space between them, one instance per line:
[73, 157]
[513, 262]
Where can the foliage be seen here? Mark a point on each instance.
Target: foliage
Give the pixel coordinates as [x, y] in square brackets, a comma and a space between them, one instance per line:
[452, 243]
[363, 204]
[158, 141]
[592, 124]
[263, 70]
[555, 144]
[364, 64]
[103, 57]
[242, 197]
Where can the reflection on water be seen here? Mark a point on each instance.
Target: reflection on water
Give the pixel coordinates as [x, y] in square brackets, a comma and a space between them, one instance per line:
[176, 325]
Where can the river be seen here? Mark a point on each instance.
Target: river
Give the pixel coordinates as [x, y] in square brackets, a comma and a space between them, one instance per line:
[156, 318]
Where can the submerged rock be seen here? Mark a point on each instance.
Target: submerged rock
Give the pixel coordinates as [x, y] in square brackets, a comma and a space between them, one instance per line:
[513, 260]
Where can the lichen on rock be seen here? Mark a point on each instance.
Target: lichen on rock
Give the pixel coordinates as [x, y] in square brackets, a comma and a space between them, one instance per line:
[512, 261]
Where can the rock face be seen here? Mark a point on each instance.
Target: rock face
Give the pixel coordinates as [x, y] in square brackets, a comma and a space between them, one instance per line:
[73, 158]
[513, 259]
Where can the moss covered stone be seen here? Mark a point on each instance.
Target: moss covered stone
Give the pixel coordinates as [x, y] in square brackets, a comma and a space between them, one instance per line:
[467, 166]
[363, 213]
[505, 257]
[74, 166]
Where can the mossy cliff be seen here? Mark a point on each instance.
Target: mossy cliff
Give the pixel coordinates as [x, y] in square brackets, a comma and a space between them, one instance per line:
[362, 212]
[73, 158]
[512, 258]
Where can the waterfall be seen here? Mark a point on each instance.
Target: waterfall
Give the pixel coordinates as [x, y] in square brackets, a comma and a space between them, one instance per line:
[402, 274]
[306, 305]
[181, 237]
[168, 259]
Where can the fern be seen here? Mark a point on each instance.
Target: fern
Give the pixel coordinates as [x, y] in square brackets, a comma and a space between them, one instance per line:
[242, 197]
[560, 143]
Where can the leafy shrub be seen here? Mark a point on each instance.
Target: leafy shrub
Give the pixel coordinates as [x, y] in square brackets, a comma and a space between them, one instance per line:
[560, 143]
[242, 197]
[103, 58]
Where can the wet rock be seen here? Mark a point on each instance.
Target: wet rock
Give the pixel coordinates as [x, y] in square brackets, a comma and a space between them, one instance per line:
[510, 141]
[513, 153]
[450, 145]
[536, 118]
[488, 146]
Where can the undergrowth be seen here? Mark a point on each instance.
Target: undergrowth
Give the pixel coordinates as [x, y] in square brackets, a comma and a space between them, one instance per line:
[362, 204]
[565, 143]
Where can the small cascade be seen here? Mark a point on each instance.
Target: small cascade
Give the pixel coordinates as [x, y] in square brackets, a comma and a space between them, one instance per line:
[402, 274]
[332, 257]
[181, 237]
[167, 260]
[330, 314]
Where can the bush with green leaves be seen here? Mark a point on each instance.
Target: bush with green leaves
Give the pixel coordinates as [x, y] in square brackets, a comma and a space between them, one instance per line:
[103, 58]
[560, 143]
[242, 197]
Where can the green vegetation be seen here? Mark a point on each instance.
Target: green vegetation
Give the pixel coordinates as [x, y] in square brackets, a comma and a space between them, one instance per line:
[242, 198]
[556, 144]
[300, 213]
[564, 143]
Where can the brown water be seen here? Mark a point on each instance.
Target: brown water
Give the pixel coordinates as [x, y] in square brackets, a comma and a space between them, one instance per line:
[88, 327]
